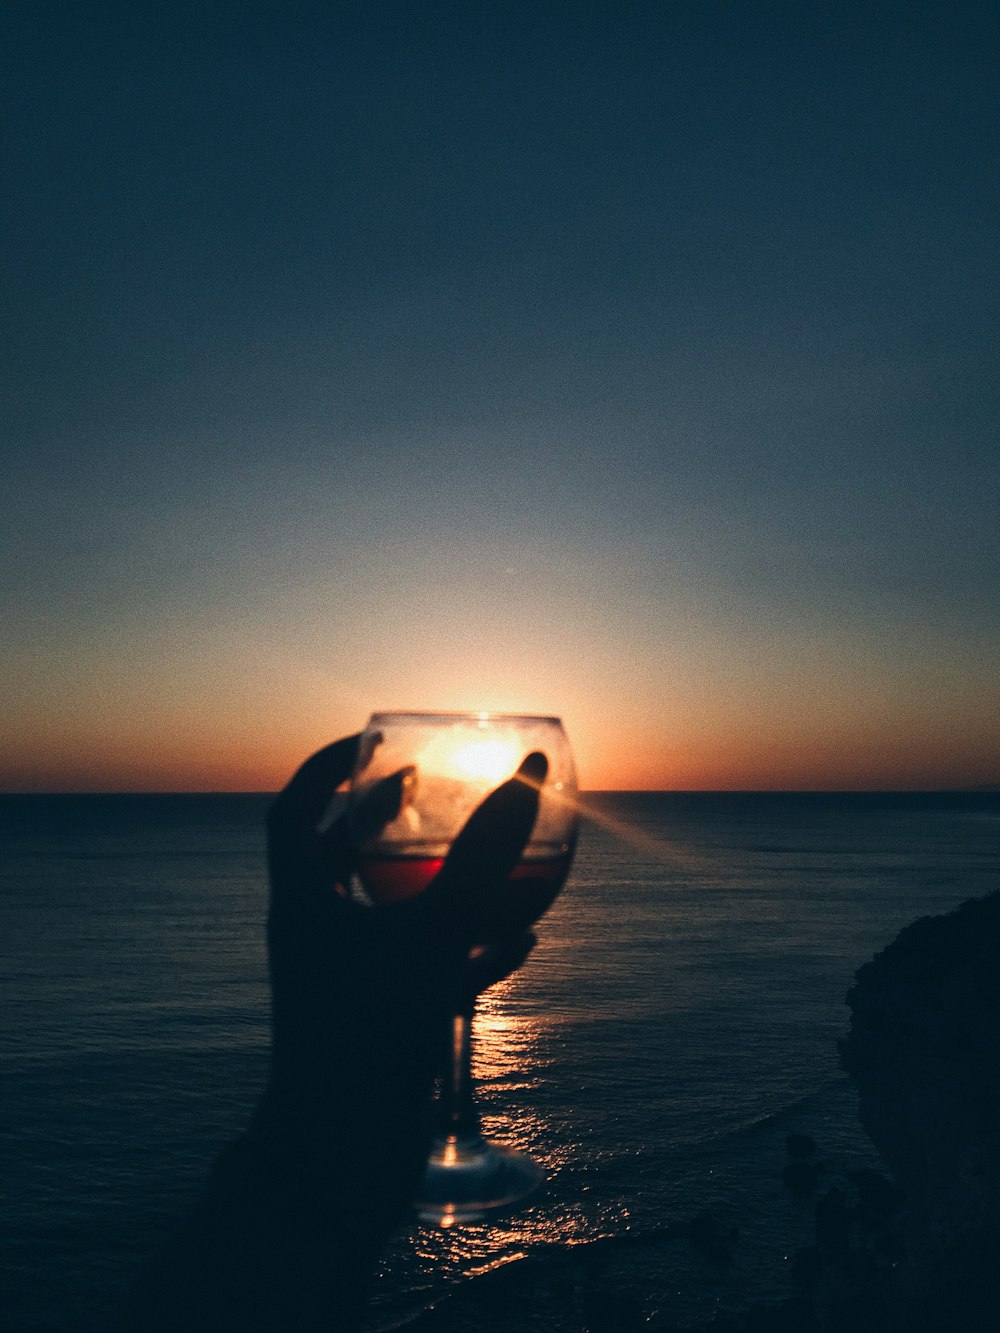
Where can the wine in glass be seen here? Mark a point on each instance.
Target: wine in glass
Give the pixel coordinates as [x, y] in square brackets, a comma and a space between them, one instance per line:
[439, 767]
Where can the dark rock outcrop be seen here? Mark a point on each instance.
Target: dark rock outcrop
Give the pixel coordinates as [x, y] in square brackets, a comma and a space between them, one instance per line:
[924, 1050]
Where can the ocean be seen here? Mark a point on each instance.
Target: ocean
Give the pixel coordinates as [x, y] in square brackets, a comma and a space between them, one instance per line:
[678, 1018]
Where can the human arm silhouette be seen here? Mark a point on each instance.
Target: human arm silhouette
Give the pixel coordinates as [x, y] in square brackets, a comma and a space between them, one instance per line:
[298, 1209]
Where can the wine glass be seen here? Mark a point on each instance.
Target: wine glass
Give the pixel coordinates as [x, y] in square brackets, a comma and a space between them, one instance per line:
[440, 767]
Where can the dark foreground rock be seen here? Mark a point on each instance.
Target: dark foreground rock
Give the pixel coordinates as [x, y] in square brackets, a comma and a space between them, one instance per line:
[924, 1050]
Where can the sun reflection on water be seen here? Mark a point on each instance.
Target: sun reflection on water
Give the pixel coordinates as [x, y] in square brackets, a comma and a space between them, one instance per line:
[512, 1061]
[521, 1066]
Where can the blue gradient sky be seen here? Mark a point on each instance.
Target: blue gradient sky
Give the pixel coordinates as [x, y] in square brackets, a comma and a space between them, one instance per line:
[636, 362]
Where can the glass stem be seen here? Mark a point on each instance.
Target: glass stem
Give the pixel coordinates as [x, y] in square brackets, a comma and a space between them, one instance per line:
[457, 1108]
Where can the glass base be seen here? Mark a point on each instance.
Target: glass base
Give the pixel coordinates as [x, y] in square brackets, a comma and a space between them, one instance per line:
[470, 1180]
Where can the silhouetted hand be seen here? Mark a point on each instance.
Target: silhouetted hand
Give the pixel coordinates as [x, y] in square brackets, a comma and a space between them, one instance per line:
[361, 996]
[301, 1205]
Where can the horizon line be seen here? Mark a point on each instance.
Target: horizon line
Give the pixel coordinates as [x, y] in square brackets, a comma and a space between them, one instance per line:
[982, 788]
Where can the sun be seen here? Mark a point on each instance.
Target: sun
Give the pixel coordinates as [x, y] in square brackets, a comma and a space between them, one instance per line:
[483, 760]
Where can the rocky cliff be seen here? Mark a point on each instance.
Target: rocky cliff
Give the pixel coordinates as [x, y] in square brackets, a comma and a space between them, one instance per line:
[924, 1050]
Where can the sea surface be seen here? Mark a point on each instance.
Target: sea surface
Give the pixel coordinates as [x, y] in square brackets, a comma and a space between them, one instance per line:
[678, 1018]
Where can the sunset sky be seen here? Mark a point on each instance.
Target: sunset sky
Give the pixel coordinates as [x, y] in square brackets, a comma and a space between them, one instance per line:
[636, 362]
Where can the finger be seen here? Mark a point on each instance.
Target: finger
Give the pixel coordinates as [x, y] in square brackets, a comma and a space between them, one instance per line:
[343, 839]
[494, 836]
[488, 966]
[514, 907]
[382, 803]
[300, 806]
[490, 845]
[303, 880]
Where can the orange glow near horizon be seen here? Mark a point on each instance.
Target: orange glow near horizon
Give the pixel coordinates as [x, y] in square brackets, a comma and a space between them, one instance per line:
[228, 709]
[214, 754]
